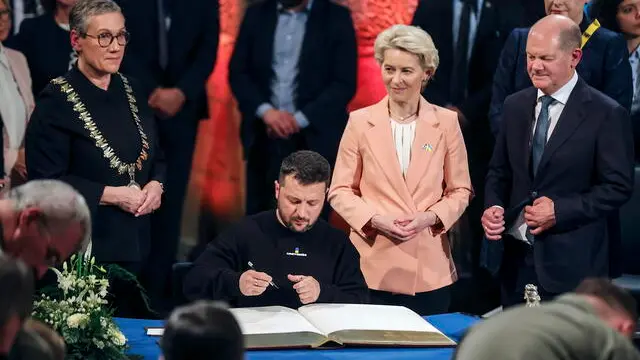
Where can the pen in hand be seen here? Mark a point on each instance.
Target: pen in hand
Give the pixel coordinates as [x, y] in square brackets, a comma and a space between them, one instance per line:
[253, 268]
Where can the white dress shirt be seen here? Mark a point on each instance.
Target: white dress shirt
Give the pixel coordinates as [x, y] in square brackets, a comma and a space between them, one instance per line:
[519, 228]
[403, 135]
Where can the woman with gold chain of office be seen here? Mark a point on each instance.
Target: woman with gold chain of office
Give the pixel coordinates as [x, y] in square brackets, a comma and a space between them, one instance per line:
[92, 128]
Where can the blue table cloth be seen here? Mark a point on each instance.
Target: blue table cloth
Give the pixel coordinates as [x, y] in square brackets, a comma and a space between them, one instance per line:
[453, 325]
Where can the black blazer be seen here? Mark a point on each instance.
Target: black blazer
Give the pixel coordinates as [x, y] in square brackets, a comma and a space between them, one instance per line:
[497, 19]
[604, 65]
[193, 45]
[327, 71]
[58, 146]
[586, 169]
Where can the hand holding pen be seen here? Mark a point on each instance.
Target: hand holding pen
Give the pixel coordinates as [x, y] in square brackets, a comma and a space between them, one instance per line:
[254, 283]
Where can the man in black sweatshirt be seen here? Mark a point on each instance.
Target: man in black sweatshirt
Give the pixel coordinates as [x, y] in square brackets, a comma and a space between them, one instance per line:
[287, 256]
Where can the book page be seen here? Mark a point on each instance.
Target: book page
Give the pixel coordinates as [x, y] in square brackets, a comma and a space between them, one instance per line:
[334, 317]
[271, 320]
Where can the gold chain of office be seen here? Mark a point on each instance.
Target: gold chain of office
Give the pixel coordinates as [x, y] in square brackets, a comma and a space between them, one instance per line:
[95, 134]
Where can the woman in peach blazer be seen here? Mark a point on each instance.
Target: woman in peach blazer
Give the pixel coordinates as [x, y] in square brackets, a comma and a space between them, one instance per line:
[401, 180]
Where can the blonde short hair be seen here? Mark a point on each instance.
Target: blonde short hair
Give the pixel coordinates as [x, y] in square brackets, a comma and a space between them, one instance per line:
[411, 39]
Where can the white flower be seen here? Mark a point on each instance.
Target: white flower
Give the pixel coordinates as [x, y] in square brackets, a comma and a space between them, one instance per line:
[65, 283]
[117, 337]
[98, 343]
[77, 321]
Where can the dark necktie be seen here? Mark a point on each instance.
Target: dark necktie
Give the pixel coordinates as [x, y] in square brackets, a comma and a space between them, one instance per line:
[539, 142]
[163, 47]
[460, 57]
[540, 134]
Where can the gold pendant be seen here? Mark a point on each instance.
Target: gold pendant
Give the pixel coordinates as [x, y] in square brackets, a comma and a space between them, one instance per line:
[132, 176]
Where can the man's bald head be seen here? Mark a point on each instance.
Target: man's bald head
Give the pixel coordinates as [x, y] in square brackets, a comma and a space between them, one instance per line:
[553, 52]
[561, 28]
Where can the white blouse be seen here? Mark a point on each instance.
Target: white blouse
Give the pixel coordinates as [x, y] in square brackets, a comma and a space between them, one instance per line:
[403, 135]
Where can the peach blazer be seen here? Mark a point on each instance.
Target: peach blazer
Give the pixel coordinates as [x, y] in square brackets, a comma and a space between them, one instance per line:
[21, 74]
[367, 180]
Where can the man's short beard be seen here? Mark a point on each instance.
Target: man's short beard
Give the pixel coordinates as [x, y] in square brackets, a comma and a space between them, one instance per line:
[289, 224]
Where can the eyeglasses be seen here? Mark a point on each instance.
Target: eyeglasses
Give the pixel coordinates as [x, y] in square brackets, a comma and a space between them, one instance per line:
[5, 14]
[105, 39]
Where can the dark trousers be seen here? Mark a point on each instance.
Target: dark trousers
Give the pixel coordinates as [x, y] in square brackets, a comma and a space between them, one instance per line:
[177, 139]
[263, 168]
[517, 271]
[425, 303]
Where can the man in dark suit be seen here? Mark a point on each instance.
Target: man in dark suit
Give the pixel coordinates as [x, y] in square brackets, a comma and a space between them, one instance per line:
[563, 162]
[172, 53]
[605, 63]
[293, 72]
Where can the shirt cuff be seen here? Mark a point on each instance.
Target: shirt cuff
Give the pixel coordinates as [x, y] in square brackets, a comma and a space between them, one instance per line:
[263, 108]
[301, 119]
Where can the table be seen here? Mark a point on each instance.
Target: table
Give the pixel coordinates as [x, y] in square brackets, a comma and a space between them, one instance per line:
[453, 325]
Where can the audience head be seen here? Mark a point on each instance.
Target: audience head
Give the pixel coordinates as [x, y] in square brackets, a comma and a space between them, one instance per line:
[43, 223]
[17, 288]
[301, 189]
[573, 9]
[553, 52]
[202, 330]
[55, 343]
[98, 35]
[408, 59]
[616, 307]
[621, 16]
[5, 19]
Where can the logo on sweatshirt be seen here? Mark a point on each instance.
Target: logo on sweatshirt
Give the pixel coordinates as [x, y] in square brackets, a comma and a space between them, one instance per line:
[296, 252]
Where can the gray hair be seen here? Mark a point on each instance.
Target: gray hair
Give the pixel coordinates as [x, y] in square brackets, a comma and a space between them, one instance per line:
[84, 10]
[411, 39]
[570, 38]
[60, 204]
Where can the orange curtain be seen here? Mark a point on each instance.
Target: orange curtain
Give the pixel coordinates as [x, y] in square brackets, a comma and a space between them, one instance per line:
[218, 169]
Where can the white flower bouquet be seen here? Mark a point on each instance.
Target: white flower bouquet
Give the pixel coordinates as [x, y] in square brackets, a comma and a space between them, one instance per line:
[79, 311]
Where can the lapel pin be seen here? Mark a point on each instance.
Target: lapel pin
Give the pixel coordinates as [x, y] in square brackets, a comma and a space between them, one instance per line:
[427, 147]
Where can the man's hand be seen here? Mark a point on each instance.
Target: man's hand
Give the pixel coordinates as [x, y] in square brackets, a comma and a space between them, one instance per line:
[540, 216]
[280, 124]
[388, 226]
[493, 222]
[253, 283]
[416, 223]
[307, 287]
[167, 101]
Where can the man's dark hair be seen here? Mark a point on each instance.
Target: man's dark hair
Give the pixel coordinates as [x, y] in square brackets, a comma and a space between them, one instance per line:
[202, 330]
[308, 167]
[16, 287]
[614, 296]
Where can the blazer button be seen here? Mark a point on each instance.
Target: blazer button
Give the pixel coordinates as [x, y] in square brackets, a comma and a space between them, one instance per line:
[534, 194]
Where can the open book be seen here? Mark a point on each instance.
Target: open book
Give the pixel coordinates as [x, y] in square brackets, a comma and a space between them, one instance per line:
[334, 325]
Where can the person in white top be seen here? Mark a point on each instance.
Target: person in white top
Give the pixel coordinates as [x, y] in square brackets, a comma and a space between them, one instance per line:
[16, 102]
[561, 168]
[401, 179]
